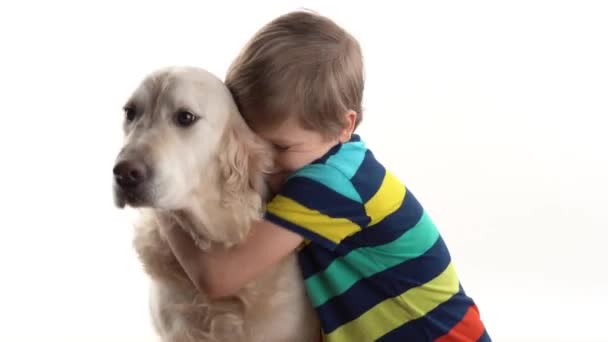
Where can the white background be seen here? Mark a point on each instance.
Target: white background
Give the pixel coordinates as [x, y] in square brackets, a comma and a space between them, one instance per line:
[493, 114]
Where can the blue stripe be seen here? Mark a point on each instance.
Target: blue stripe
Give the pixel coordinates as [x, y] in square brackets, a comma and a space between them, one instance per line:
[316, 196]
[348, 159]
[434, 324]
[392, 282]
[368, 178]
[331, 178]
[314, 258]
[396, 223]
[386, 231]
[355, 138]
[485, 337]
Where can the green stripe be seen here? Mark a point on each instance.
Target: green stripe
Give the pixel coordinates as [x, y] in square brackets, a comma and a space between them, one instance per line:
[341, 274]
[349, 158]
[331, 178]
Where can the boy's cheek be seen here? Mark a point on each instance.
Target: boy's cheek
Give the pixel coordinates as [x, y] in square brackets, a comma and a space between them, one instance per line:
[292, 161]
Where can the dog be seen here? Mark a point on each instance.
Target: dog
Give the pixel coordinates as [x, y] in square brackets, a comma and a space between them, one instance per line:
[190, 160]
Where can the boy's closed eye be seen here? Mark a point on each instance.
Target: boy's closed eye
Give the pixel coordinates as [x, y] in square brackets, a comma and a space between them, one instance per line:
[280, 147]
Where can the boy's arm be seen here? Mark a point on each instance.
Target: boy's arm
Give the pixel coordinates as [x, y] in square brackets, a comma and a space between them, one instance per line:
[221, 272]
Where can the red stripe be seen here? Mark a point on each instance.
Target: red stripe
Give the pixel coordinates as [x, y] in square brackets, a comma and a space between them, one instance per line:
[469, 329]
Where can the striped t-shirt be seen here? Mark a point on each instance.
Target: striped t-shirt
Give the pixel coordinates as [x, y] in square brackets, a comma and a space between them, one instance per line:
[374, 264]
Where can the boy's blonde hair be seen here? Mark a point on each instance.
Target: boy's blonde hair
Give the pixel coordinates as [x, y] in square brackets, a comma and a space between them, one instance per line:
[300, 64]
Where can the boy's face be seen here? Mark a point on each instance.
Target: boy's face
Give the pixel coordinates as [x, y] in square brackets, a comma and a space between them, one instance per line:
[295, 148]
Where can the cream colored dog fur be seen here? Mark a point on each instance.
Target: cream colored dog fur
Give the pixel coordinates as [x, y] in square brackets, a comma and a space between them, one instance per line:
[207, 178]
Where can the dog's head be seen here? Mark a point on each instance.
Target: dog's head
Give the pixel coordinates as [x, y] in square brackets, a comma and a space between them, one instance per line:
[183, 138]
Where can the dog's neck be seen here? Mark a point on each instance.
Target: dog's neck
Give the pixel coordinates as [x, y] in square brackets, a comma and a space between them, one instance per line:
[210, 217]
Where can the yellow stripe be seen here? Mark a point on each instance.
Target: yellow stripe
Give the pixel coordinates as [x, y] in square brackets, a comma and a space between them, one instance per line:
[394, 312]
[386, 200]
[334, 229]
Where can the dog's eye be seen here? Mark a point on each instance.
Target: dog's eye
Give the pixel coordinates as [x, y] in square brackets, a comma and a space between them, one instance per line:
[185, 118]
[130, 113]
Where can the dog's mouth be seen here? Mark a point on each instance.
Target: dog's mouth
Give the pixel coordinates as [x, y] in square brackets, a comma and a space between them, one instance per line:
[135, 198]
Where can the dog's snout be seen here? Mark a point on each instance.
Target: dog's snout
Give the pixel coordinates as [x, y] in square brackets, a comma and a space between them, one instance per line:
[130, 173]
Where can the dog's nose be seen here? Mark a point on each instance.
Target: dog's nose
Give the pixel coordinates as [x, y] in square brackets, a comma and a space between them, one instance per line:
[130, 173]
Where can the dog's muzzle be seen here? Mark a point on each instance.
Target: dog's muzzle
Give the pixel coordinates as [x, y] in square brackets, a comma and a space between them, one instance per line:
[131, 178]
[130, 174]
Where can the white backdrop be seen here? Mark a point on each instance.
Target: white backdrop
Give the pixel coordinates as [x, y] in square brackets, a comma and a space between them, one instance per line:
[493, 114]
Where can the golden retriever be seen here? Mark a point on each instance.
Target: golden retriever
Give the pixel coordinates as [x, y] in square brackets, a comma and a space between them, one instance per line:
[190, 160]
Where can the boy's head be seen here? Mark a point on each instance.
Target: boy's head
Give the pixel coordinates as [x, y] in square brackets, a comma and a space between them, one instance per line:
[300, 65]
[301, 70]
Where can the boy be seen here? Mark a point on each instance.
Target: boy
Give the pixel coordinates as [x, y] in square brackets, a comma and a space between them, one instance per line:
[374, 265]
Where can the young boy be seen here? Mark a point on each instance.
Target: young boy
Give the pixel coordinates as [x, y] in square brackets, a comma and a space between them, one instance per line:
[374, 264]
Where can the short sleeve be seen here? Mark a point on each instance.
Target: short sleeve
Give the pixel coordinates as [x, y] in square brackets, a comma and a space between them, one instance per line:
[320, 204]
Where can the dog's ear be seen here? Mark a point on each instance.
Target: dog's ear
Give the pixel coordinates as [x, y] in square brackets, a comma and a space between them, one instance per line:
[244, 158]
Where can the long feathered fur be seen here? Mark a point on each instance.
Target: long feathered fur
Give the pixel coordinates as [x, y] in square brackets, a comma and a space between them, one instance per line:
[229, 194]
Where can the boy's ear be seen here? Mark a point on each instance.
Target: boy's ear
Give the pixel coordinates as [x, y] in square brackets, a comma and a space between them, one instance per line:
[349, 118]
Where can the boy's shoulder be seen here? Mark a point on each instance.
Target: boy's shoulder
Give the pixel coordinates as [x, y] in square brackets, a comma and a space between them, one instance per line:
[331, 177]
[348, 168]
[346, 158]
